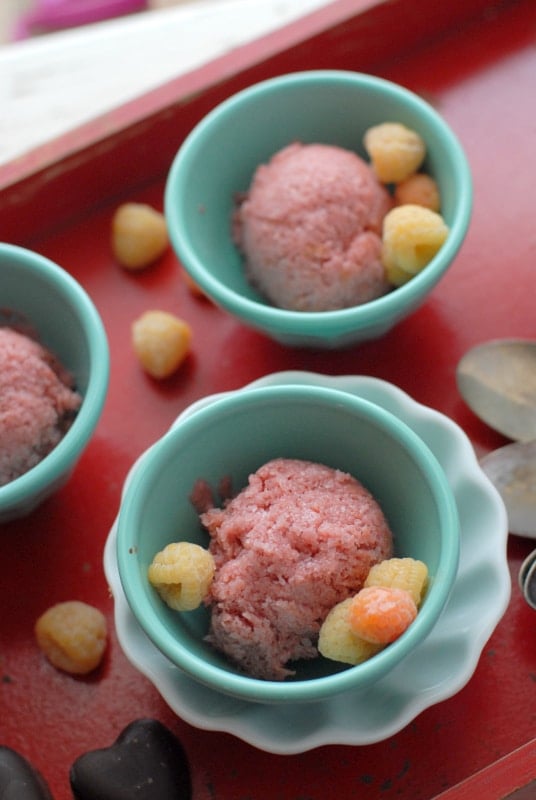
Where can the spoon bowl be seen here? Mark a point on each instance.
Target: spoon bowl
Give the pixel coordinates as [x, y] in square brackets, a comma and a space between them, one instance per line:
[497, 380]
[512, 470]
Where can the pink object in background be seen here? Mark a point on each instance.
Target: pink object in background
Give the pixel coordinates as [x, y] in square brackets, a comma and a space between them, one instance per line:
[50, 15]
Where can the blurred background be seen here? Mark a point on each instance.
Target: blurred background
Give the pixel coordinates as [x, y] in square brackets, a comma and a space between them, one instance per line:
[58, 71]
[13, 12]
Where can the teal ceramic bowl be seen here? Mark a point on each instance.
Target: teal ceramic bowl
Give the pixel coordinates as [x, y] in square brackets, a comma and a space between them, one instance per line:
[65, 321]
[232, 437]
[219, 157]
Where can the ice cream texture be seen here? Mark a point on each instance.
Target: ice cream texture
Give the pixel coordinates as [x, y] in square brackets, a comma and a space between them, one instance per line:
[298, 539]
[37, 403]
[309, 229]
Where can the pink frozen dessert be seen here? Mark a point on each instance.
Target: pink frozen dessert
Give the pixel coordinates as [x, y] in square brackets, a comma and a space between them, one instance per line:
[37, 403]
[309, 229]
[298, 539]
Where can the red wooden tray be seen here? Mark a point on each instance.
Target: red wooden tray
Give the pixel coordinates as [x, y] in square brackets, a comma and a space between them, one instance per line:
[510, 778]
[476, 63]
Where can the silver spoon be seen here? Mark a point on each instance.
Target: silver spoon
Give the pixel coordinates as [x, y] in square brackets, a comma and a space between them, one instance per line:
[527, 579]
[497, 380]
[512, 470]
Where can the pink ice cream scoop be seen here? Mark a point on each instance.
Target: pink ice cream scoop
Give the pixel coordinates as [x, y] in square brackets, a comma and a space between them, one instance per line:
[310, 229]
[298, 539]
[37, 403]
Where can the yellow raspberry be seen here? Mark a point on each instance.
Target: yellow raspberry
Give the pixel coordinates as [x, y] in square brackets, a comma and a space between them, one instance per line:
[412, 235]
[395, 151]
[161, 342]
[336, 640]
[139, 235]
[182, 573]
[400, 573]
[72, 635]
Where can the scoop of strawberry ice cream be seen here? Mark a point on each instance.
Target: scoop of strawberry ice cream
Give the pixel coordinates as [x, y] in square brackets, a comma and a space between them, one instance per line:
[297, 540]
[310, 229]
[37, 403]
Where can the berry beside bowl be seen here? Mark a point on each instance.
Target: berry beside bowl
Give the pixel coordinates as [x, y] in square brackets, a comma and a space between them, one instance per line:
[43, 302]
[230, 439]
[216, 164]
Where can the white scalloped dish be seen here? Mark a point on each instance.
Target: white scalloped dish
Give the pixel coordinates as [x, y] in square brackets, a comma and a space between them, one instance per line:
[438, 668]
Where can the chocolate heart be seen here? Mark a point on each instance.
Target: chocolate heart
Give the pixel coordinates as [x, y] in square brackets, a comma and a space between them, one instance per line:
[146, 762]
[18, 779]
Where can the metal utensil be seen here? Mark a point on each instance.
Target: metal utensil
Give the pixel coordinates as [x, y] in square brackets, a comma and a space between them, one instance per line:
[527, 579]
[497, 380]
[512, 470]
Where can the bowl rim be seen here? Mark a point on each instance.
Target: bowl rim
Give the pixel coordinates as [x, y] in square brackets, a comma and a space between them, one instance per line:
[240, 685]
[66, 452]
[307, 322]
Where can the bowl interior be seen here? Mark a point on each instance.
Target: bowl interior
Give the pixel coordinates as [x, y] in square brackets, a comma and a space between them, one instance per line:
[52, 310]
[232, 438]
[246, 130]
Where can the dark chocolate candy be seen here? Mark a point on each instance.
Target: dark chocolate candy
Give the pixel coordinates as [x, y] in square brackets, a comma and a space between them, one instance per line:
[146, 762]
[18, 779]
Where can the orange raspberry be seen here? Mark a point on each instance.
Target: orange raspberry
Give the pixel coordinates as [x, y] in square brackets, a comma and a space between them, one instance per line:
[380, 614]
[419, 189]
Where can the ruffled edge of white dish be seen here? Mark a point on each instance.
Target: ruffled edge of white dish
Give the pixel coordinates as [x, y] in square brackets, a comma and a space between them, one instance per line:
[438, 668]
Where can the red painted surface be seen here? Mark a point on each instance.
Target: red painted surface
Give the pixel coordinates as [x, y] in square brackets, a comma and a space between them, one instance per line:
[510, 778]
[481, 77]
